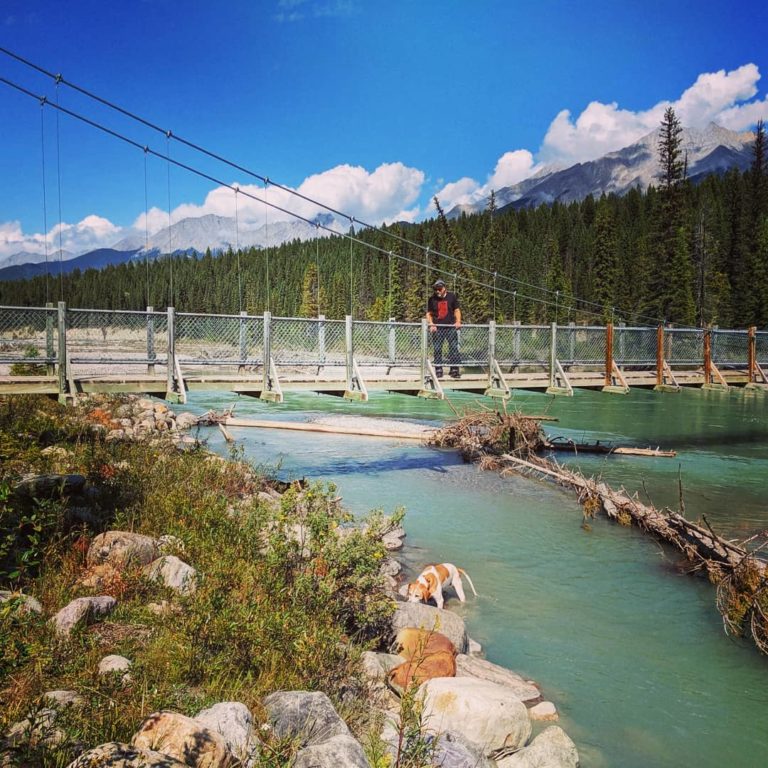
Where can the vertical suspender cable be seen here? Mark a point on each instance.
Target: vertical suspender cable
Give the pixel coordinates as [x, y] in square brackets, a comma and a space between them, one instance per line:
[170, 246]
[317, 269]
[45, 196]
[351, 271]
[266, 242]
[146, 226]
[237, 253]
[58, 182]
[389, 278]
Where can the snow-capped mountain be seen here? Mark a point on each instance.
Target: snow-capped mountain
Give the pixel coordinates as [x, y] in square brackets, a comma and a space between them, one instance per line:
[26, 257]
[712, 150]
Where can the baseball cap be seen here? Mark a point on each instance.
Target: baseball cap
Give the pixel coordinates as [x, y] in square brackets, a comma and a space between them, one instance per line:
[438, 283]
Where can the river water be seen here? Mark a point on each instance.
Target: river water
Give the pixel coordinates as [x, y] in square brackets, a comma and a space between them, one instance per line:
[630, 650]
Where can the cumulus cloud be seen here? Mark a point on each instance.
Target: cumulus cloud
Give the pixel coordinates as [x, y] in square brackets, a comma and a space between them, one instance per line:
[601, 128]
[88, 234]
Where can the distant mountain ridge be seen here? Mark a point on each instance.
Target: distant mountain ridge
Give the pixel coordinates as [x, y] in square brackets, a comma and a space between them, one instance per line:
[712, 150]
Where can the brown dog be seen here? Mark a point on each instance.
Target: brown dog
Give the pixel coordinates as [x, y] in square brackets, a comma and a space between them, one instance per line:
[428, 654]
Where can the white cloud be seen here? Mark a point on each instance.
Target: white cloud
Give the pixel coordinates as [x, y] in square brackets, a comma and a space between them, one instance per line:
[88, 234]
[602, 128]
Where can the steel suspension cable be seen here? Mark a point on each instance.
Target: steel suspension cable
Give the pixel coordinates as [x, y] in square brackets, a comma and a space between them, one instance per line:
[219, 158]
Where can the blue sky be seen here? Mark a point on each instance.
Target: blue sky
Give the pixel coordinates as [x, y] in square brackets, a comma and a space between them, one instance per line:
[371, 107]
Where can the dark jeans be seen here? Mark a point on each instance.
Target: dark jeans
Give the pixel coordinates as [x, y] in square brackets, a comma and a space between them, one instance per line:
[446, 334]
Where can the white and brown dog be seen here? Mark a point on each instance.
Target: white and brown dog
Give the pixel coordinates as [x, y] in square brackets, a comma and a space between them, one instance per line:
[434, 579]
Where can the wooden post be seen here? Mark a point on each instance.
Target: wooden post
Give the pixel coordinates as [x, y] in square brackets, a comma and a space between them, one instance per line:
[424, 347]
[62, 349]
[171, 364]
[707, 356]
[151, 354]
[243, 341]
[267, 350]
[608, 354]
[751, 353]
[321, 340]
[349, 350]
[491, 344]
[552, 353]
[392, 344]
[660, 356]
[49, 351]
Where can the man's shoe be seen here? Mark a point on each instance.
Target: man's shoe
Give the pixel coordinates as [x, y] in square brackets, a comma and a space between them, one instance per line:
[455, 374]
[439, 373]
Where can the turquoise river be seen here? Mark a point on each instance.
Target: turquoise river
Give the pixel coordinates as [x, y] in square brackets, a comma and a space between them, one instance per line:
[631, 650]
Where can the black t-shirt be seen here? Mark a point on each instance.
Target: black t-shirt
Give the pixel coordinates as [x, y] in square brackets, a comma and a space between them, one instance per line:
[443, 308]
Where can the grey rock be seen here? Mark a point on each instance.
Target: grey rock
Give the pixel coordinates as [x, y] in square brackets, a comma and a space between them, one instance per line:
[113, 663]
[121, 548]
[49, 486]
[36, 730]
[390, 567]
[173, 573]
[183, 738]
[26, 603]
[484, 714]
[430, 618]
[117, 755]
[341, 751]
[306, 716]
[81, 610]
[376, 666]
[450, 751]
[544, 710]
[551, 748]
[234, 721]
[186, 420]
[481, 669]
[61, 699]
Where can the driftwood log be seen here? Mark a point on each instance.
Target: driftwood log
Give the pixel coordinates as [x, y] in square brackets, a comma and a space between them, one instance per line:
[513, 443]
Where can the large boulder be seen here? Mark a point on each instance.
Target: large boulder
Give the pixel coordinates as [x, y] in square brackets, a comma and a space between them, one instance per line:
[427, 617]
[81, 610]
[36, 730]
[487, 715]
[340, 751]
[173, 573]
[184, 739]
[551, 748]
[473, 666]
[117, 755]
[450, 751]
[122, 548]
[308, 717]
[234, 721]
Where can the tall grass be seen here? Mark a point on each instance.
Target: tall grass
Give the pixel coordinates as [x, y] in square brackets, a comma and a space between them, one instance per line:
[276, 607]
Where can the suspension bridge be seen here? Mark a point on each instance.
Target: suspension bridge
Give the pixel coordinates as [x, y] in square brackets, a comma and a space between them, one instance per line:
[61, 351]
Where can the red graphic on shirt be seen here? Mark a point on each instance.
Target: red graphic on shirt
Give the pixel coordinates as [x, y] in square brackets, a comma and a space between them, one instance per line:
[442, 309]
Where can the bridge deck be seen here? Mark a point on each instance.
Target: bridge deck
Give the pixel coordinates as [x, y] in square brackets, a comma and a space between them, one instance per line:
[333, 381]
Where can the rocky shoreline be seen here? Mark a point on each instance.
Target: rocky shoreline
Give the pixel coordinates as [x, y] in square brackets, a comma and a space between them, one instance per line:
[481, 715]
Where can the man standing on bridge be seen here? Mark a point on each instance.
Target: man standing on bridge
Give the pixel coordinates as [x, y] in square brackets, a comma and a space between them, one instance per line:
[444, 319]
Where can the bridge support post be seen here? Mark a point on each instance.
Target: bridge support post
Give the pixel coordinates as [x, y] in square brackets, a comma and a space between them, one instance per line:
[614, 380]
[243, 341]
[356, 389]
[63, 371]
[172, 392]
[392, 346]
[151, 353]
[49, 351]
[320, 342]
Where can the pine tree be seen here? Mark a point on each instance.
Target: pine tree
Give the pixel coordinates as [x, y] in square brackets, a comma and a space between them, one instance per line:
[605, 260]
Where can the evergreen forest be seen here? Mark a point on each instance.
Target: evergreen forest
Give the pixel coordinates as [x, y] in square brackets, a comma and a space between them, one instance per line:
[692, 254]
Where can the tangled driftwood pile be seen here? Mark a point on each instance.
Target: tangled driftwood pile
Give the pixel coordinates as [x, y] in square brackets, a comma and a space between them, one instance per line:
[513, 442]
